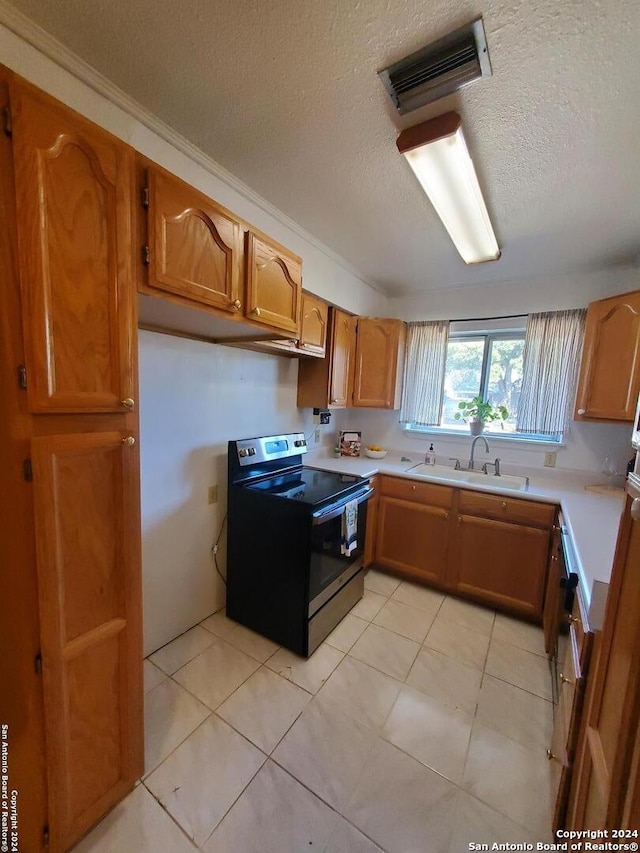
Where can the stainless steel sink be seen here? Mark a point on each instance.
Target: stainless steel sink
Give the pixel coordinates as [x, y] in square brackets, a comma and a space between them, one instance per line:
[443, 472]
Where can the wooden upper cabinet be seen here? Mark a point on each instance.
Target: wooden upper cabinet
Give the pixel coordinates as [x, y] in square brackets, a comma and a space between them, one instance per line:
[342, 355]
[73, 192]
[314, 325]
[379, 362]
[274, 284]
[328, 382]
[87, 546]
[195, 246]
[609, 381]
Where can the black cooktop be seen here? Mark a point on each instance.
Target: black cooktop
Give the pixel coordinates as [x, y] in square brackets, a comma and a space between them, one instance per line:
[308, 486]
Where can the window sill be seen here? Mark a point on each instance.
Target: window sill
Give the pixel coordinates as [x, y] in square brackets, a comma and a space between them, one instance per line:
[427, 434]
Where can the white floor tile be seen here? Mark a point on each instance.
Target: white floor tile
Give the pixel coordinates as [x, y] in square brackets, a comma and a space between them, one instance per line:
[429, 600]
[219, 624]
[510, 778]
[361, 692]
[216, 673]
[475, 822]
[402, 805]
[137, 823]
[308, 673]
[386, 651]
[451, 682]
[170, 715]
[469, 615]
[152, 675]
[181, 650]
[264, 708]
[255, 645]
[369, 605]
[381, 583]
[516, 713]
[345, 838]
[275, 814]
[522, 669]
[326, 751]
[435, 734]
[346, 633]
[201, 780]
[458, 642]
[521, 634]
[404, 620]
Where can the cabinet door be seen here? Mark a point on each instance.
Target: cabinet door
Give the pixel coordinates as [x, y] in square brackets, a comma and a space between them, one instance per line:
[195, 245]
[610, 370]
[503, 564]
[605, 771]
[342, 354]
[313, 332]
[73, 189]
[87, 537]
[274, 284]
[379, 353]
[413, 539]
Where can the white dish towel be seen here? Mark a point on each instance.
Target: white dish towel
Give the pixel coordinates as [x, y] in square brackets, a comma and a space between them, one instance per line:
[349, 528]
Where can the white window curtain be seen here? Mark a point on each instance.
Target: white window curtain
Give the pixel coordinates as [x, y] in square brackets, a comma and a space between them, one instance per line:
[552, 349]
[425, 358]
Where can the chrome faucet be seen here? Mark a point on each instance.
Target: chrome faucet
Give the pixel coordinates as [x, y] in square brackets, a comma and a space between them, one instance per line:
[473, 447]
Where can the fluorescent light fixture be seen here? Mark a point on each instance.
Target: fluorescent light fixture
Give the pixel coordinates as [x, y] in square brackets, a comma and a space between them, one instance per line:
[438, 155]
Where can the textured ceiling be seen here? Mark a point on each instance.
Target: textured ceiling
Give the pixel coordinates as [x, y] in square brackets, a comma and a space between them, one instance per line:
[284, 94]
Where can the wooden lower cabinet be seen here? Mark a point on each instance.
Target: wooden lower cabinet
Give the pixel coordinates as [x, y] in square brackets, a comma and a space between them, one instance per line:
[504, 564]
[413, 539]
[605, 789]
[424, 535]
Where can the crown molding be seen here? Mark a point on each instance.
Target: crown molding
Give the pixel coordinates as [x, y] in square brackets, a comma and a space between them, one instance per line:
[30, 32]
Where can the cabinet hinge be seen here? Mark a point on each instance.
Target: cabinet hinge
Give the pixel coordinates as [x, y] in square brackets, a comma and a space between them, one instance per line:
[37, 664]
[145, 196]
[146, 255]
[28, 470]
[7, 123]
[22, 376]
[45, 836]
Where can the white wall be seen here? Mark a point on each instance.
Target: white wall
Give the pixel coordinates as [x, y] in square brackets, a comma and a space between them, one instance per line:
[525, 296]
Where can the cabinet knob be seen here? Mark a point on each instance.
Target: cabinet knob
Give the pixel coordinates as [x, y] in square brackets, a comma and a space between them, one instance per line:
[573, 620]
[504, 504]
[635, 509]
[236, 303]
[256, 311]
[446, 516]
[459, 519]
[129, 441]
[128, 403]
[413, 488]
[564, 679]
[551, 756]
[581, 411]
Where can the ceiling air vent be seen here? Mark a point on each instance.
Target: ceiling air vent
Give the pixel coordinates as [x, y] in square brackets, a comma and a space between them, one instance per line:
[439, 69]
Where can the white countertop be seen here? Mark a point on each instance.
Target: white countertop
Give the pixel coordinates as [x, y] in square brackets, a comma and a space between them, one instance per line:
[591, 518]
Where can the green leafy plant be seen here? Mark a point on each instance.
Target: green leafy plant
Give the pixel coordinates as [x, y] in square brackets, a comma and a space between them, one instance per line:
[480, 410]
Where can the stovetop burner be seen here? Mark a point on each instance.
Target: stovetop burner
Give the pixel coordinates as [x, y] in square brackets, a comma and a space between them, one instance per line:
[307, 485]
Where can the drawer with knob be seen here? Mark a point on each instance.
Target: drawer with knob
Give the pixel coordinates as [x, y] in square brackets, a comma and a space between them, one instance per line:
[420, 492]
[507, 509]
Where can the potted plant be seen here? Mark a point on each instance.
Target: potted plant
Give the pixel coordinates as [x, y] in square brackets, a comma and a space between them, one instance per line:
[478, 412]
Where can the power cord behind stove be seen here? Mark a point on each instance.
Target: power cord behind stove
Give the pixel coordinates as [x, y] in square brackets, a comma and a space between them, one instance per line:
[214, 549]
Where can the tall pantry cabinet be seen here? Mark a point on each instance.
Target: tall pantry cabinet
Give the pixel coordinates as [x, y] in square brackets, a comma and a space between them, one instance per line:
[69, 368]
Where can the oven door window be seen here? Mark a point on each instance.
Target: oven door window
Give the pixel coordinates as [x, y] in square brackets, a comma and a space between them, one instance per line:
[327, 562]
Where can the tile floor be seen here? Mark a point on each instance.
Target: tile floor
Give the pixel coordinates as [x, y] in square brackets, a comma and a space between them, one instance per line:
[420, 725]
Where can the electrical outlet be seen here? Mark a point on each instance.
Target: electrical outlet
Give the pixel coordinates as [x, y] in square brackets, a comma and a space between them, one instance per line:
[550, 459]
[212, 494]
[316, 436]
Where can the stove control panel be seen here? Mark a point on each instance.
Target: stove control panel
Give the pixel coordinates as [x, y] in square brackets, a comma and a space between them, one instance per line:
[253, 450]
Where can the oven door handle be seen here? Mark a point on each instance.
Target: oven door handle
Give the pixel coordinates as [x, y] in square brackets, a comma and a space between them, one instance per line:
[334, 511]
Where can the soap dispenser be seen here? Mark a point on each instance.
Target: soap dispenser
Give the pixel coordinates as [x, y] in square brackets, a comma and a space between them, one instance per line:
[430, 456]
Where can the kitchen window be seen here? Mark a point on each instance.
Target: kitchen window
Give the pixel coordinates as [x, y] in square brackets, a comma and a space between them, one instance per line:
[446, 369]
